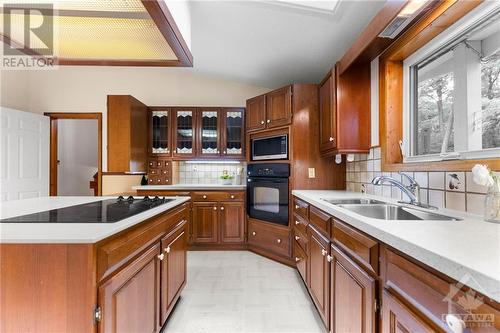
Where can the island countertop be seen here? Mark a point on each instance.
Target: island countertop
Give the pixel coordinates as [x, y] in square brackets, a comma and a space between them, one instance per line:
[468, 248]
[65, 233]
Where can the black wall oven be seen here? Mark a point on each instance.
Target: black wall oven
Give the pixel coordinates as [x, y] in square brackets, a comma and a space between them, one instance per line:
[267, 192]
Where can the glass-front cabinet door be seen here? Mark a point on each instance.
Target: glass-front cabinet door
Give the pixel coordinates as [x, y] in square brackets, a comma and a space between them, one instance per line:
[160, 132]
[209, 125]
[233, 133]
[184, 135]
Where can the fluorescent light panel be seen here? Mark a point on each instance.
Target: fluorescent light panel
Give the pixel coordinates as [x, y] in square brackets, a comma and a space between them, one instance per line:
[213, 162]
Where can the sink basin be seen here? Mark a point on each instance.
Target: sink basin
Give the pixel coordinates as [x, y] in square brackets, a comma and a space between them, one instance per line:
[352, 201]
[394, 212]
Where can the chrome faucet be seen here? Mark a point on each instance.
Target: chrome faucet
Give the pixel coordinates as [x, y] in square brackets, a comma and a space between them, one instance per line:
[412, 190]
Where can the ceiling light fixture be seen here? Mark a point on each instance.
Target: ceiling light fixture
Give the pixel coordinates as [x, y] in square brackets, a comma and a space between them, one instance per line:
[405, 17]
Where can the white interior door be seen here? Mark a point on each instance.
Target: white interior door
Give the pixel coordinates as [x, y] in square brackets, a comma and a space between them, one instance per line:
[24, 154]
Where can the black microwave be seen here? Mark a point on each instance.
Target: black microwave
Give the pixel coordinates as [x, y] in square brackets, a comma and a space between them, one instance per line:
[270, 148]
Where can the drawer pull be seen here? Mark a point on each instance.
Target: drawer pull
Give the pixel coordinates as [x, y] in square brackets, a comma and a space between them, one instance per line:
[329, 258]
[254, 233]
[297, 222]
[331, 139]
[204, 196]
[232, 196]
[324, 252]
[262, 122]
[215, 208]
[159, 180]
[278, 241]
[166, 180]
[297, 259]
[161, 256]
[297, 206]
[268, 121]
[221, 208]
[297, 238]
[167, 249]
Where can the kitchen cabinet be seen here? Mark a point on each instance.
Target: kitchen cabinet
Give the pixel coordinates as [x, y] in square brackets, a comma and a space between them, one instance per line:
[160, 132]
[319, 272]
[269, 239]
[209, 132]
[159, 171]
[173, 268]
[353, 298]
[327, 113]
[127, 138]
[124, 308]
[184, 123]
[205, 222]
[232, 222]
[271, 110]
[301, 261]
[233, 136]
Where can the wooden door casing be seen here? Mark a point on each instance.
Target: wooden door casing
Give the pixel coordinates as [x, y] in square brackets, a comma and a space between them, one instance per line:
[232, 222]
[173, 271]
[129, 300]
[279, 107]
[319, 273]
[205, 222]
[327, 110]
[353, 296]
[256, 113]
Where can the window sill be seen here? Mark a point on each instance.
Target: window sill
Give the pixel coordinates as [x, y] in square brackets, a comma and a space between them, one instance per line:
[447, 165]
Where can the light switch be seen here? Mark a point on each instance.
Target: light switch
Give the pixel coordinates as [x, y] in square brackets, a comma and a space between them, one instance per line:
[312, 173]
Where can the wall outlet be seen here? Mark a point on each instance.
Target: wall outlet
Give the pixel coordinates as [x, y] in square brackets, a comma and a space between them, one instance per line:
[312, 173]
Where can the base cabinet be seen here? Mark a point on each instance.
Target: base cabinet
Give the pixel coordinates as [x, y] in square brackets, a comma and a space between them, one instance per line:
[205, 222]
[353, 296]
[232, 222]
[129, 300]
[319, 273]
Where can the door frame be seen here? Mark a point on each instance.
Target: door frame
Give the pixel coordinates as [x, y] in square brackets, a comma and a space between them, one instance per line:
[54, 117]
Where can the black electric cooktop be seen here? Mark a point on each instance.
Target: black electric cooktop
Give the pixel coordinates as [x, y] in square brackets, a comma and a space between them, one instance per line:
[106, 211]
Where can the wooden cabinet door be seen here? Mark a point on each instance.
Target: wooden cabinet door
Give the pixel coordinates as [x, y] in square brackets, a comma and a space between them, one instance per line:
[160, 125]
[232, 222]
[397, 318]
[233, 133]
[173, 271]
[352, 294]
[279, 107]
[205, 222]
[327, 112]
[208, 132]
[184, 140]
[129, 300]
[319, 273]
[256, 113]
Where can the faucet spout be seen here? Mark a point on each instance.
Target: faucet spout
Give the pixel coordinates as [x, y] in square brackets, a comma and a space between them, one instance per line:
[412, 191]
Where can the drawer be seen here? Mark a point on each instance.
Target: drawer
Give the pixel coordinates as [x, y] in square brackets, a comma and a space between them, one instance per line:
[301, 208]
[424, 289]
[300, 224]
[165, 172]
[154, 172]
[218, 196]
[301, 239]
[320, 220]
[362, 248]
[269, 238]
[159, 180]
[300, 258]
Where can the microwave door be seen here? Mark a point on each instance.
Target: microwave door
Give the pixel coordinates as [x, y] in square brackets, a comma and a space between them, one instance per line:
[272, 148]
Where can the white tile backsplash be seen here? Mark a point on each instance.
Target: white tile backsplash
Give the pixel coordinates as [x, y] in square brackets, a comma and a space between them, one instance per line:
[208, 173]
[455, 181]
[436, 180]
[475, 203]
[455, 200]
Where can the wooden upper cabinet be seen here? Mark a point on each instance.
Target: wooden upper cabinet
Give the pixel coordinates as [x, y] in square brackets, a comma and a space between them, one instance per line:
[352, 296]
[256, 113]
[160, 133]
[233, 133]
[129, 300]
[205, 222]
[232, 222]
[127, 134]
[184, 136]
[279, 107]
[319, 273]
[209, 132]
[327, 114]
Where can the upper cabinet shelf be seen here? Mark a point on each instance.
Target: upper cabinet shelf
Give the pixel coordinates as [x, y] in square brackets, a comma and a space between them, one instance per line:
[271, 110]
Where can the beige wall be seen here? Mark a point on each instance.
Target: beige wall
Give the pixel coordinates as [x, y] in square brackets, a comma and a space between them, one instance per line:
[84, 89]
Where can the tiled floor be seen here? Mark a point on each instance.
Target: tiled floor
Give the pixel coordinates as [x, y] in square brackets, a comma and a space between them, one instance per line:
[238, 291]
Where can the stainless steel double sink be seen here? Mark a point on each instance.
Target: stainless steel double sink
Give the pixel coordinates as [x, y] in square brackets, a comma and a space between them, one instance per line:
[386, 211]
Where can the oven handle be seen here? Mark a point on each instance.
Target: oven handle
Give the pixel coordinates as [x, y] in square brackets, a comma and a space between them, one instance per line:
[266, 180]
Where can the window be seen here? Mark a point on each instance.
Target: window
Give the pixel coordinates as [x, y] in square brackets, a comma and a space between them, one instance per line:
[453, 93]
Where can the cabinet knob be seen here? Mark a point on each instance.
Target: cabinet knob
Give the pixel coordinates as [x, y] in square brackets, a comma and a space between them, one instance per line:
[221, 208]
[204, 197]
[150, 180]
[268, 121]
[215, 208]
[161, 256]
[159, 180]
[297, 222]
[166, 180]
[332, 139]
[262, 122]
[278, 241]
[329, 258]
[324, 252]
[167, 249]
[232, 196]
[225, 152]
[297, 259]
[254, 233]
[297, 237]
[297, 206]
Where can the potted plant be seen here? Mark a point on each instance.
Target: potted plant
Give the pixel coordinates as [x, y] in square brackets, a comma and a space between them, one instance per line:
[227, 179]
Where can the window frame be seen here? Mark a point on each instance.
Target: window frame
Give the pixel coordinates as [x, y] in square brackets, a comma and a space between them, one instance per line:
[441, 44]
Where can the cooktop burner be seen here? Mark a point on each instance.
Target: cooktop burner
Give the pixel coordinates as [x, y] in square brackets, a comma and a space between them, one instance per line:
[105, 211]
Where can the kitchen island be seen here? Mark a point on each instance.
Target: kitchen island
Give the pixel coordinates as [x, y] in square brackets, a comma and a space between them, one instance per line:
[86, 277]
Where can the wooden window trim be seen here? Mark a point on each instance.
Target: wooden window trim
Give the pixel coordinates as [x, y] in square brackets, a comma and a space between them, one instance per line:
[391, 88]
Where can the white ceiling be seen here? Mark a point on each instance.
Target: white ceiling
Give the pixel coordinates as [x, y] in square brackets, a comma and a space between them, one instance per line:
[271, 44]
